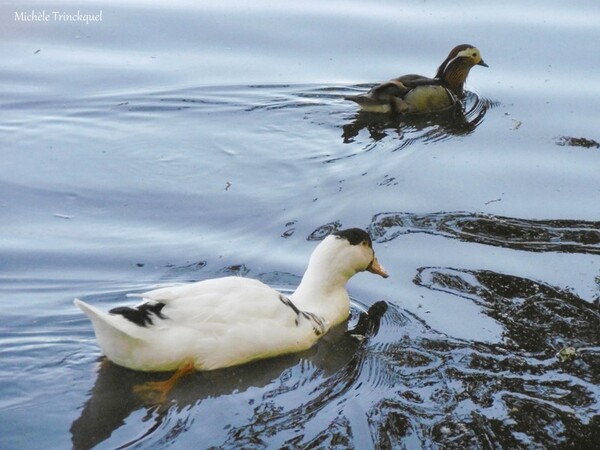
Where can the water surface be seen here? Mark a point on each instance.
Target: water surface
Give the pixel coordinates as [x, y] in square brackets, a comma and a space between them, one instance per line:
[167, 145]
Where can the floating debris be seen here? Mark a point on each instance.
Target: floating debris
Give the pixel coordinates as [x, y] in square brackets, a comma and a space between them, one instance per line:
[577, 142]
[493, 201]
[566, 354]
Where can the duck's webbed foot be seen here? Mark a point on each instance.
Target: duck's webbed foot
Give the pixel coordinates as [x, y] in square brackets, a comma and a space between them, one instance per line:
[158, 391]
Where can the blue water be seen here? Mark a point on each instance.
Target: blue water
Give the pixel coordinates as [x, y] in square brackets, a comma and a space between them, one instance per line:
[180, 143]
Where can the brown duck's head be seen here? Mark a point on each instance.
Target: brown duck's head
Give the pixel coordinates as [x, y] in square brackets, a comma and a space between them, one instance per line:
[454, 70]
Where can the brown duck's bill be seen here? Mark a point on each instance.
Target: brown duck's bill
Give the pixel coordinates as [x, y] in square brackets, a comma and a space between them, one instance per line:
[377, 268]
[482, 63]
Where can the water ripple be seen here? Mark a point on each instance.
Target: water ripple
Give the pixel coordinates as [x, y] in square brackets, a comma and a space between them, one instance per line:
[324, 230]
[322, 105]
[570, 236]
[460, 120]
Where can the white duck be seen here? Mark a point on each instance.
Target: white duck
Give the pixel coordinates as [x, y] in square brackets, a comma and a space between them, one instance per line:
[227, 321]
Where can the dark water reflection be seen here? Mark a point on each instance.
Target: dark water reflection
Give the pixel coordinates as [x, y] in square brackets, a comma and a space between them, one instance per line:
[534, 397]
[572, 236]
[520, 393]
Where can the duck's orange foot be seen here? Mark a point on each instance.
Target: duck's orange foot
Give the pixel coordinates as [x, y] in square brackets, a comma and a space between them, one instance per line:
[153, 392]
[158, 391]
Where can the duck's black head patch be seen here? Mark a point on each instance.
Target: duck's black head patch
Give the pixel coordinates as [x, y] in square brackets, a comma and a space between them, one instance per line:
[141, 315]
[354, 235]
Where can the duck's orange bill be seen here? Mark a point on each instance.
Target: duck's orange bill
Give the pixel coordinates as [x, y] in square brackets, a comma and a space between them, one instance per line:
[377, 268]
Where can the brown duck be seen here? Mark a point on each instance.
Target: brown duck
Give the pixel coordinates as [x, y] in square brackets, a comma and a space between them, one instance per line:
[420, 94]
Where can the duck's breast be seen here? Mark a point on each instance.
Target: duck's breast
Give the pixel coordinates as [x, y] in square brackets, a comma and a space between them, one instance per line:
[428, 98]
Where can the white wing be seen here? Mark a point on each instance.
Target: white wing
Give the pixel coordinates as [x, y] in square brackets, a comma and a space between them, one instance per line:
[226, 303]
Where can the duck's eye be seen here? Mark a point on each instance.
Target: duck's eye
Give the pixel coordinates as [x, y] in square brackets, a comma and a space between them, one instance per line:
[474, 55]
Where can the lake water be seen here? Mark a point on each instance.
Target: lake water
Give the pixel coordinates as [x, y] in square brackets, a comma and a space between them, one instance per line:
[169, 144]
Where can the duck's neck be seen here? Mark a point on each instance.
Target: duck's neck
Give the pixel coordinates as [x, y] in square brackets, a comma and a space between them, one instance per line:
[323, 292]
[455, 74]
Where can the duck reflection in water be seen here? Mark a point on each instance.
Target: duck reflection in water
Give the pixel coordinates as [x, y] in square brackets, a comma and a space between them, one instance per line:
[460, 119]
[337, 357]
